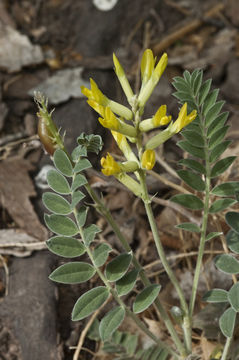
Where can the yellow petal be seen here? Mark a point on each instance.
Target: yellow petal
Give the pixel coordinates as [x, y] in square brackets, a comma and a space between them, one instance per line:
[109, 166]
[148, 159]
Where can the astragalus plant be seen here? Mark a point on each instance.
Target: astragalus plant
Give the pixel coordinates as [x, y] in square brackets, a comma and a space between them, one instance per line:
[202, 125]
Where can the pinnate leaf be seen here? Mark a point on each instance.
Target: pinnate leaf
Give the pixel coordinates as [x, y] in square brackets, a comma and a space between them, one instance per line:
[205, 88]
[227, 322]
[82, 215]
[227, 263]
[63, 163]
[189, 201]
[58, 182]
[210, 101]
[232, 218]
[145, 298]
[73, 273]
[233, 241]
[193, 150]
[90, 232]
[61, 225]
[217, 137]
[212, 235]
[216, 296]
[77, 196]
[218, 150]
[189, 227]
[222, 165]
[194, 165]
[193, 137]
[110, 323]
[82, 164]
[233, 296]
[127, 282]
[217, 123]
[226, 189]
[100, 254]
[67, 247]
[56, 203]
[221, 204]
[192, 179]
[213, 112]
[79, 180]
[89, 302]
[117, 267]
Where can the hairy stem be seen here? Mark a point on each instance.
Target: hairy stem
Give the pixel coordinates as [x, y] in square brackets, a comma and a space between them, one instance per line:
[226, 348]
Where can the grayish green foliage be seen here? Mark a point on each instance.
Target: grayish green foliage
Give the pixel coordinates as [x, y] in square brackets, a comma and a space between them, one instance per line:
[216, 296]
[189, 227]
[62, 162]
[127, 282]
[67, 247]
[73, 273]
[100, 254]
[145, 298]
[227, 322]
[117, 267]
[189, 201]
[227, 264]
[58, 182]
[110, 323]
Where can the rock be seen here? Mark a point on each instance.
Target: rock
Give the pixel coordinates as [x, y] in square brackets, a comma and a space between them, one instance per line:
[232, 11]
[16, 50]
[63, 85]
[29, 310]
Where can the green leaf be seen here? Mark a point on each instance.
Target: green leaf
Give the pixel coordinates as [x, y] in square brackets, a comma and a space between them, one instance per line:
[90, 232]
[145, 298]
[233, 296]
[89, 302]
[67, 247]
[219, 150]
[100, 254]
[192, 179]
[213, 112]
[78, 152]
[221, 204]
[93, 143]
[117, 267]
[181, 86]
[73, 273]
[77, 196]
[210, 101]
[189, 201]
[58, 182]
[127, 282]
[193, 150]
[232, 219]
[183, 96]
[78, 181]
[227, 263]
[204, 91]
[61, 225]
[82, 215]
[56, 203]
[217, 123]
[197, 83]
[212, 235]
[187, 77]
[111, 322]
[193, 137]
[82, 164]
[217, 137]
[194, 165]
[189, 227]
[216, 296]
[226, 189]
[222, 165]
[227, 322]
[233, 241]
[63, 163]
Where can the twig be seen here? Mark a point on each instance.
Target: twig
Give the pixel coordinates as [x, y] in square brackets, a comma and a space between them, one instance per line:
[166, 166]
[6, 273]
[185, 29]
[168, 182]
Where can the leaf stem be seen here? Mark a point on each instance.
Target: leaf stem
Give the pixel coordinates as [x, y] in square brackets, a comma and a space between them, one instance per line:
[226, 348]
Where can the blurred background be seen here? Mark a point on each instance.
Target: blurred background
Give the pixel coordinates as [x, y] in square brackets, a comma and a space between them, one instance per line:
[55, 46]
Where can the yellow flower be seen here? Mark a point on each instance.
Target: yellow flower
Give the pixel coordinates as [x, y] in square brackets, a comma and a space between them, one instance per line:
[109, 166]
[109, 119]
[123, 79]
[97, 107]
[148, 87]
[160, 117]
[147, 65]
[94, 93]
[148, 159]
[183, 119]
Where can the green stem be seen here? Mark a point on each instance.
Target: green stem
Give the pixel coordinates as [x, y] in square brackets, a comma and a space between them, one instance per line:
[106, 213]
[226, 348]
[138, 322]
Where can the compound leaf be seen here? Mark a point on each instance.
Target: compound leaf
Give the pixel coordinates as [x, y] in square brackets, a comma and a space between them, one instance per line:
[56, 203]
[227, 322]
[221, 204]
[222, 165]
[65, 246]
[189, 201]
[145, 298]
[127, 282]
[62, 162]
[110, 323]
[232, 218]
[73, 273]
[61, 225]
[58, 182]
[100, 254]
[117, 267]
[192, 179]
[226, 189]
[227, 263]
[215, 296]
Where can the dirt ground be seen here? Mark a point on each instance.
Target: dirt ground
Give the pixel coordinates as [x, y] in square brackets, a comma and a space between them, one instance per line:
[55, 46]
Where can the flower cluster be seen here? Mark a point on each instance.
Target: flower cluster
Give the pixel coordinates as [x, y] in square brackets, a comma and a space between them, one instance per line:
[126, 124]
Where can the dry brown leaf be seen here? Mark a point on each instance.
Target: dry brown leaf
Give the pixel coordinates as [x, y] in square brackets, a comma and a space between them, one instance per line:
[207, 348]
[16, 188]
